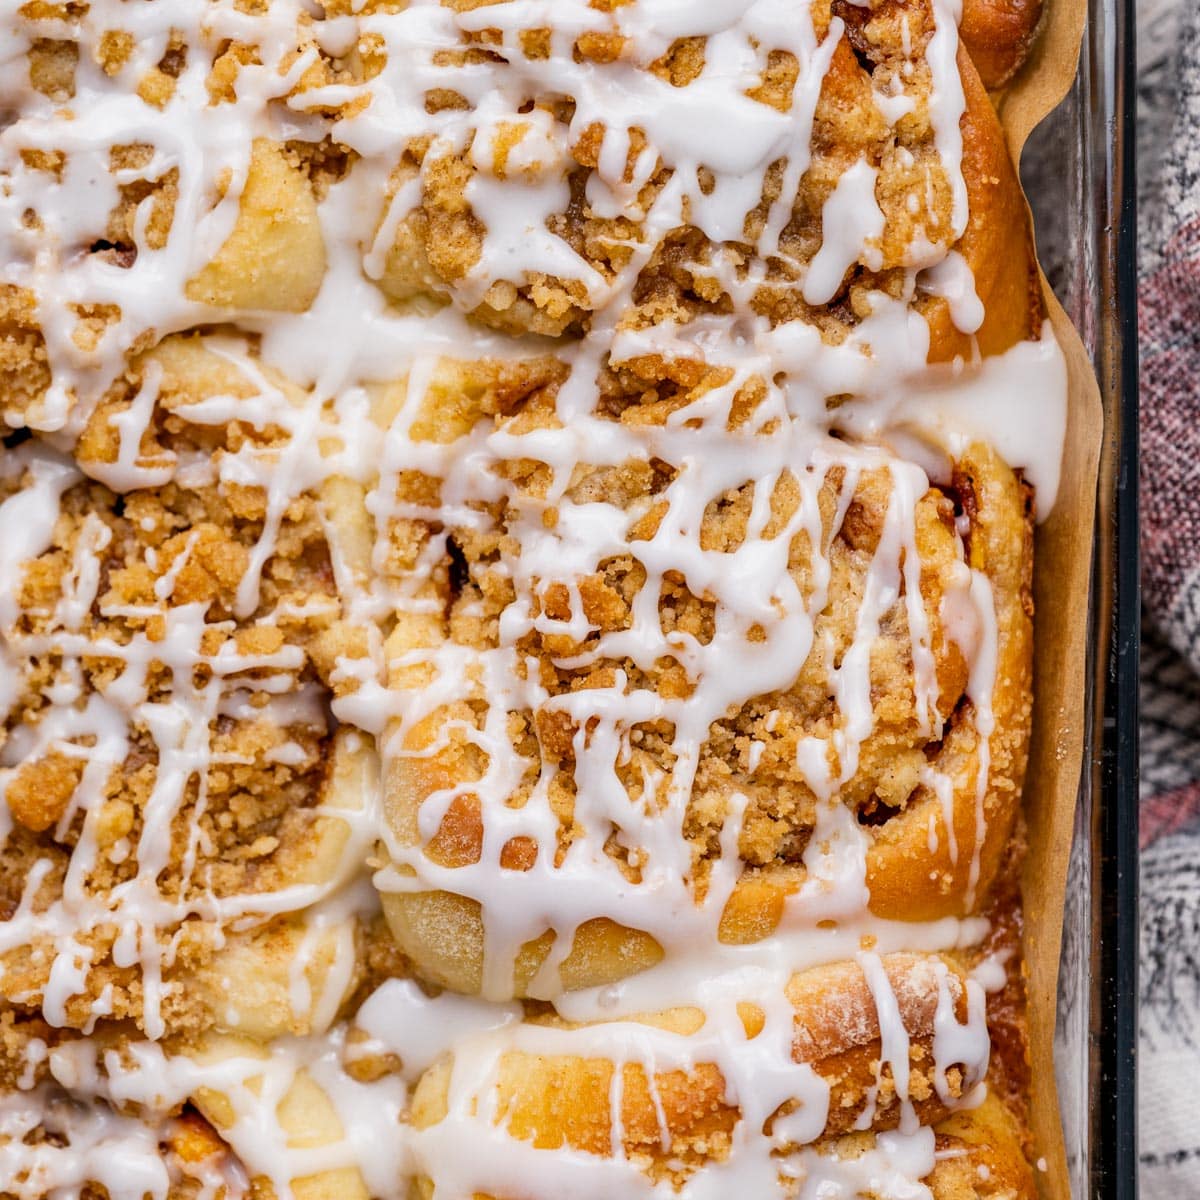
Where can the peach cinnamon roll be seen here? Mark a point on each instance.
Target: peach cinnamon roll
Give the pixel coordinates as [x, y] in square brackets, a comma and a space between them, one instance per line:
[620, 165]
[832, 1078]
[176, 796]
[147, 189]
[681, 671]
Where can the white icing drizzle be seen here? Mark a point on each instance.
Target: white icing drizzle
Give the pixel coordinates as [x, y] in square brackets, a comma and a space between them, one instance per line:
[308, 385]
[119, 1153]
[851, 223]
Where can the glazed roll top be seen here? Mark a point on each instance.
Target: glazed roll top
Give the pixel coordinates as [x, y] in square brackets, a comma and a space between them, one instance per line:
[617, 167]
[685, 671]
[171, 767]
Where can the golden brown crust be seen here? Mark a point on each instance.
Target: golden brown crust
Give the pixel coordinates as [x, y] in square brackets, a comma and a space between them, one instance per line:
[997, 244]
[1001, 547]
[984, 1156]
[998, 35]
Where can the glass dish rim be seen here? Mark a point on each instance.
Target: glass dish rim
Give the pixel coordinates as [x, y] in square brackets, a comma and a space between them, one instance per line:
[1114, 1133]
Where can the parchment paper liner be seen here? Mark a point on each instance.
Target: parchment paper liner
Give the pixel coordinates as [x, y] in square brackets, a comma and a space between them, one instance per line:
[1063, 557]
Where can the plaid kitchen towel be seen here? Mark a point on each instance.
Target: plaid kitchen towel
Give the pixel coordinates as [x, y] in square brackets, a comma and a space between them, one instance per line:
[1169, 237]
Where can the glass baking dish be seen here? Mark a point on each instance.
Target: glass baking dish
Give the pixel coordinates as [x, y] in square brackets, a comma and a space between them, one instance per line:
[1079, 173]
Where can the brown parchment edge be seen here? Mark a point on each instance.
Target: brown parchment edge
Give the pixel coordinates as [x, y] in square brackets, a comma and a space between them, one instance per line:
[1062, 574]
